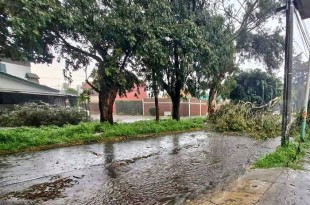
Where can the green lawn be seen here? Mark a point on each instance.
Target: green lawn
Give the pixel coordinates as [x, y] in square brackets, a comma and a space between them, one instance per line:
[25, 138]
[289, 156]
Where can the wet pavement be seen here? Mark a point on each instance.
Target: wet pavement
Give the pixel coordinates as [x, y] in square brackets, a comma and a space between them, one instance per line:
[173, 169]
[265, 187]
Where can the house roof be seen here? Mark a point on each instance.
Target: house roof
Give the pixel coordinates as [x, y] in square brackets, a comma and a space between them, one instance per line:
[10, 83]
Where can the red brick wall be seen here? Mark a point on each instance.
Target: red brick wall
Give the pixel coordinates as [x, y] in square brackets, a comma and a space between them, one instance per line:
[184, 109]
[165, 105]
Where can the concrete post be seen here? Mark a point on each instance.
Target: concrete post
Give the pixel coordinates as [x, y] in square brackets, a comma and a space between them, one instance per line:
[200, 107]
[143, 106]
[189, 107]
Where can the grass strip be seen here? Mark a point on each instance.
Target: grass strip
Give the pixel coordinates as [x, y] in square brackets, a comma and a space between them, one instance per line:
[27, 139]
[289, 156]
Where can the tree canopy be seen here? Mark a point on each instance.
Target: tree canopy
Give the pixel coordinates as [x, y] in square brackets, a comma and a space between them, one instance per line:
[255, 86]
[179, 46]
[80, 31]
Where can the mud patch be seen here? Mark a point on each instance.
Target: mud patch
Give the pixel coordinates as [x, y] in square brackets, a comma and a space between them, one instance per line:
[45, 191]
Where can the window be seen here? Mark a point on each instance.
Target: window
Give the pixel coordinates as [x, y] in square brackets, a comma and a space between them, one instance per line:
[2, 68]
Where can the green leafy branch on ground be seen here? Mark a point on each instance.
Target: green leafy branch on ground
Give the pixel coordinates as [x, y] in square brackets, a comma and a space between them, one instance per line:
[257, 122]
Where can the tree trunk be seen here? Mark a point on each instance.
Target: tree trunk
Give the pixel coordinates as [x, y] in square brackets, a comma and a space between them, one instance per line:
[212, 101]
[176, 108]
[177, 88]
[155, 95]
[106, 101]
[156, 107]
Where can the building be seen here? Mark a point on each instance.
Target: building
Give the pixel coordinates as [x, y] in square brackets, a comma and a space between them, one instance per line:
[18, 85]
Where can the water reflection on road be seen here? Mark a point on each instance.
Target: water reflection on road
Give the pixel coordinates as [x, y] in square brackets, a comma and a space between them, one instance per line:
[162, 170]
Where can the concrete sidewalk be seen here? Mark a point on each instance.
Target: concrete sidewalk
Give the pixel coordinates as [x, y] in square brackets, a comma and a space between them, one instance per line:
[266, 187]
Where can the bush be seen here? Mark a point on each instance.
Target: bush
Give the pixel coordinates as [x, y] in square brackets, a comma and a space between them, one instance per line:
[33, 114]
[238, 118]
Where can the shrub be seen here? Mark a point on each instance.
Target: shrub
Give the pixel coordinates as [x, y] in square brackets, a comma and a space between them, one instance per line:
[32, 114]
[239, 118]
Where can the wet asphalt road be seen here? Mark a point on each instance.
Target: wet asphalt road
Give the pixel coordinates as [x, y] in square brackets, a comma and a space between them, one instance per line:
[164, 170]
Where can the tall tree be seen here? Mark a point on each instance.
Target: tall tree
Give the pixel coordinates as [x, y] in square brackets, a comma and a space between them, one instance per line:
[81, 32]
[255, 86]
[172, 41]
[247, 22]
[253, 38]
[210, 71]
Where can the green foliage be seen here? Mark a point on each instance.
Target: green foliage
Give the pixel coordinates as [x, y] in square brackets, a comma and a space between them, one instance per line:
[81, 32]
[290, 155]
[238, 118]
[172, 38]
[253, 39]
[71, 91]
[282, 157]
[12, 140]
[84, 97]
[32, 114]
[262, 46]
[177, 45]
[226, 88]
[255, 86]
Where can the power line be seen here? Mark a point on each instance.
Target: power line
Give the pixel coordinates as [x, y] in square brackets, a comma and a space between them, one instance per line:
[305, 28]
[301, 50]
[304, 33]
[258, 26]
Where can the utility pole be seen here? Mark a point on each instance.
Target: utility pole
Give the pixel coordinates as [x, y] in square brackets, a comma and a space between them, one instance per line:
[287, 91]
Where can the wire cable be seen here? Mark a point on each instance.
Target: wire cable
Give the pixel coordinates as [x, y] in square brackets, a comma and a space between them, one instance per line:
[258, 26]
[304, 33]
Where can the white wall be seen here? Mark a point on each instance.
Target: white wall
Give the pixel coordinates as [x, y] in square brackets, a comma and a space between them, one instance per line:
[15, 85]
[16, 69]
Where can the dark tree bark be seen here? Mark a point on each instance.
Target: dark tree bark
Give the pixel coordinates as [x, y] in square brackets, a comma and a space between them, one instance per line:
[212, 100]
[176, 106]
[155, 95]
[156, 107]
[106, 101]
[107, 95]
[176, 95]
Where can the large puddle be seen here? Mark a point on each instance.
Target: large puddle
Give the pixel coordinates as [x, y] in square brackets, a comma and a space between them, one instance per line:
[163, 170]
